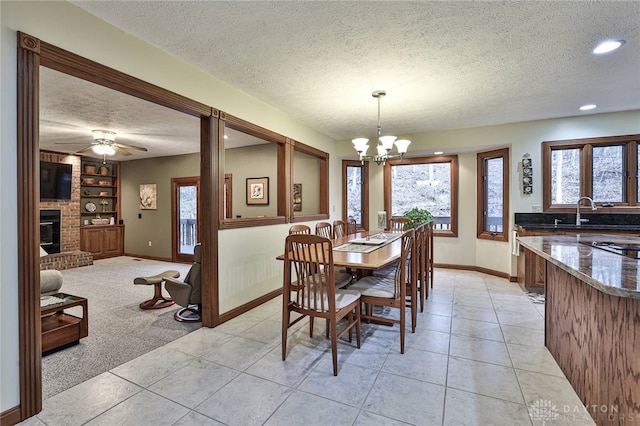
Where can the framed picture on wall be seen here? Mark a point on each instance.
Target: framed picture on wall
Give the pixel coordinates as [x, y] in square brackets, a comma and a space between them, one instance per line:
[297, 197]
[149, 196]
[258, 191]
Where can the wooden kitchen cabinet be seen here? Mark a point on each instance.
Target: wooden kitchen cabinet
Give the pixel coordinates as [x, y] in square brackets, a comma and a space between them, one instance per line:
[102, 240]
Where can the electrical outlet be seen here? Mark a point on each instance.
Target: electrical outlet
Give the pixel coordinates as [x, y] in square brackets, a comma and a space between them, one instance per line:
[536, 208]
[149, 243]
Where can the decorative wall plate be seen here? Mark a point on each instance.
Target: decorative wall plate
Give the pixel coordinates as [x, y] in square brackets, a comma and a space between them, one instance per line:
[90, 207]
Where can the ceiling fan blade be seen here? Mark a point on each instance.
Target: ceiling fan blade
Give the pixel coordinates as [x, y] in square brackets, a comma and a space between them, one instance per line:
[88, 148]
[119, 150]
[123, 145]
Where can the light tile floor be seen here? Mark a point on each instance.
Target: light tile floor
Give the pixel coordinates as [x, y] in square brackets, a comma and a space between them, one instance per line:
[477, 358]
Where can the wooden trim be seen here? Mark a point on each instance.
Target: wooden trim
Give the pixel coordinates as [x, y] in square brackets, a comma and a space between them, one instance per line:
[229, 315]
[249, 222]
[176, 183]
[228, 195]
[309, 217]
[29, 327]
[158, 258]
[28, 62]
[69, 63]
[365, 190]
[10, 416]
[323, 159]
[476, 269]
[586, 146]
[480, 195]
[211, 180]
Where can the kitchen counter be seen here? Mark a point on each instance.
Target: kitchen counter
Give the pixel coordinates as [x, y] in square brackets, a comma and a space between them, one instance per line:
[608, 272]
[592, 318]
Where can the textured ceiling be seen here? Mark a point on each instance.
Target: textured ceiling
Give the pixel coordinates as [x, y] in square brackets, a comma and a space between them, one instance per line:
[444, 65]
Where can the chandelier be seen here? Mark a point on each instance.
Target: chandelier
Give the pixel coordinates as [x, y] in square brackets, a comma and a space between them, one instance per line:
[385, 143]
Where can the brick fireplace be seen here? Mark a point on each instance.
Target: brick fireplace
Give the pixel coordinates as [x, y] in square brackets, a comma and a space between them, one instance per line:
[69, 255]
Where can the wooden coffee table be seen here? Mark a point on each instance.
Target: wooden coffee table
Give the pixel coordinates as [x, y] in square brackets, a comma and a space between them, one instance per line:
[60, 328]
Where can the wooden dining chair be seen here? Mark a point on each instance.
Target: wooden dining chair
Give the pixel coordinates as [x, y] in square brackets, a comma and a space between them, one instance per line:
[339, 229]
[324, 230]
[400, 224]
[352, 226]
[300, 229]
[309, 290]
[390, 291]
[429, 251]
[422, 273]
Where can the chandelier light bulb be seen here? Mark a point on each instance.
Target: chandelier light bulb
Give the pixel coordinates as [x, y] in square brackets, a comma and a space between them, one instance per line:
[385, 143]
[403, 145]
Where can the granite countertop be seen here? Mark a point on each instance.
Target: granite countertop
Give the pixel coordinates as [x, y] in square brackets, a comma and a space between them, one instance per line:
[608, 272]
[586, 227]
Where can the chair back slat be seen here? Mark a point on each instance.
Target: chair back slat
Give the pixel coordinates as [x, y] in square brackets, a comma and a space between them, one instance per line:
[405, 271]
[300, 229]
[400, 224]
[339, 228]
[352, 226]
[324, 229]
[309, 272]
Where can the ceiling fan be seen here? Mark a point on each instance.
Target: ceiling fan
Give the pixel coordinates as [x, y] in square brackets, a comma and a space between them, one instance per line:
[104, 143]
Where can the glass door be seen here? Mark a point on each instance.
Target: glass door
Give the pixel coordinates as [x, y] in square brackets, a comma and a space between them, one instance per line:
[186, 226]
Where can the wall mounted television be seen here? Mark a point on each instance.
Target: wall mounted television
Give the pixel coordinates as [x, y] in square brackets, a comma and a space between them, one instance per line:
[55, 181]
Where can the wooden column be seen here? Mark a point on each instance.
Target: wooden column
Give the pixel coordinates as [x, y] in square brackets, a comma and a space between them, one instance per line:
[28, 227]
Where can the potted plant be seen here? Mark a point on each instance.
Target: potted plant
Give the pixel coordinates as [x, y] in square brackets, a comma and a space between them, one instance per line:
[419, 216]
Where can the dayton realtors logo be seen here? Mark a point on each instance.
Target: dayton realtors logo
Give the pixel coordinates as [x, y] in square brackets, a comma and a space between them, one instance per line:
[543, 410]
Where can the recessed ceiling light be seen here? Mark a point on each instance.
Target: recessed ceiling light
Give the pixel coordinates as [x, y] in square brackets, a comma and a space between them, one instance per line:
[608, 46]
[439, 152]
[587, 107]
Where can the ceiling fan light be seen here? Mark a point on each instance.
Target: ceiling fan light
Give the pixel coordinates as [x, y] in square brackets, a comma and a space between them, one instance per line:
[387, 141]
[403, 145]
[99, 149]
[108, 150]
[104, 135]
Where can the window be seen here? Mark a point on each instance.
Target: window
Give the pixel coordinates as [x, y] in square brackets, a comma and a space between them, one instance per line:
[250, 152]
[425, 182]
[493, 194]
[310, 194]
[605, 169]
[355, 192]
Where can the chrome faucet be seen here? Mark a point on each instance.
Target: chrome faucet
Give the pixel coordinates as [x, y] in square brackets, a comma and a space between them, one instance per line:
[593, 207]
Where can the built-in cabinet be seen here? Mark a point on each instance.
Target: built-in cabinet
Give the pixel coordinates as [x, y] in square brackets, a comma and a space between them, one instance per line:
[102, 240]
[101, 233]
[99, 192]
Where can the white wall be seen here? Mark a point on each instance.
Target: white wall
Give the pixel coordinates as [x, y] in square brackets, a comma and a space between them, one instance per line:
[521, 138]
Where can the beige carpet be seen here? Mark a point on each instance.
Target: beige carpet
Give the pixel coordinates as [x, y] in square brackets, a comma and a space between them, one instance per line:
[119, 330]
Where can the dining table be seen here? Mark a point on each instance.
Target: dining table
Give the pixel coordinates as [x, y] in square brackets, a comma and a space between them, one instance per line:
[366, 251]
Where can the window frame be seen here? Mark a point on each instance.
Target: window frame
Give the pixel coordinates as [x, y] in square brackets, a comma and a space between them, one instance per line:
[365, 190]
[455, 172]
[630, 151]
[323, 158]
[482, 157]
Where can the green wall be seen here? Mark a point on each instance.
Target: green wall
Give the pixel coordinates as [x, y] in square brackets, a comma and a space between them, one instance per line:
[155, 225]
